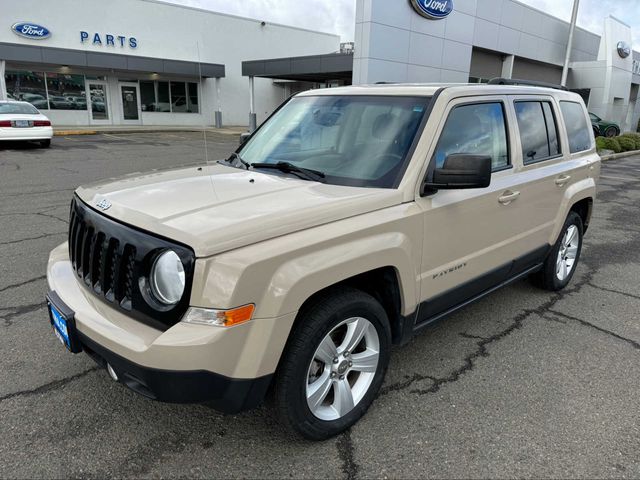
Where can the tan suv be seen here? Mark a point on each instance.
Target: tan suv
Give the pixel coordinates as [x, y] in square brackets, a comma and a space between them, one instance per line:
[351, 219]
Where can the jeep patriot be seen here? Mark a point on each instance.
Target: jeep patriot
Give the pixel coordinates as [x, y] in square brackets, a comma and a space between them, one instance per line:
[349, 221]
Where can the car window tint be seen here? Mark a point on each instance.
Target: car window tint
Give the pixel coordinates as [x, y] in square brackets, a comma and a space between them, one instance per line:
[538, 133]
[477, 129]
[578, 131]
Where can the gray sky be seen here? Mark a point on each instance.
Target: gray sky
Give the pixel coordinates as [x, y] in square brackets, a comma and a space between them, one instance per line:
[337, 16]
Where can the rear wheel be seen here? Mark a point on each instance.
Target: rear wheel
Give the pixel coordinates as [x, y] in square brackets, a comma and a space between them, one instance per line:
[334, 364]
[45, 143]
[611, 132]
[562, 261]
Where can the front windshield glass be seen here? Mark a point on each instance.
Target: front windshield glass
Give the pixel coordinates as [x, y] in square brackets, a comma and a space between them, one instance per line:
[353, 140]
[18, 108]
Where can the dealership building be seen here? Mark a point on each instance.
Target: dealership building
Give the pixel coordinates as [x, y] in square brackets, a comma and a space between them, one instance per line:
[150, 63]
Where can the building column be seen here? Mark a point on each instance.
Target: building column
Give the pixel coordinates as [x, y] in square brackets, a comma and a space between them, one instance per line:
[507, 66]
[3, 83]
[252, 106]
[218, 112]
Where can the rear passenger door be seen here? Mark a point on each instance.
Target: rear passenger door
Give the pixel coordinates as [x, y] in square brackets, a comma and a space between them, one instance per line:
[474, 239]
[540, 168]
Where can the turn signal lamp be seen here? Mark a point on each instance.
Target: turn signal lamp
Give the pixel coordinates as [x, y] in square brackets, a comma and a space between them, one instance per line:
[220, 318]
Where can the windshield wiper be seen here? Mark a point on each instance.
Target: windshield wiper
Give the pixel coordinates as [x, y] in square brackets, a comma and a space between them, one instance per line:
[288, 167]
[236, 156]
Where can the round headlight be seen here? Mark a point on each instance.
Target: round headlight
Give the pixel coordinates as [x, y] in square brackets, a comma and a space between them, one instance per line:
[167, 278]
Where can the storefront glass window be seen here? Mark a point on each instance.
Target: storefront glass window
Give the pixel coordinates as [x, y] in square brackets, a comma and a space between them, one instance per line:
[193, 97]
[147, 96]
[178, 97]
[66, 92]
[163, 104]
[27, 86]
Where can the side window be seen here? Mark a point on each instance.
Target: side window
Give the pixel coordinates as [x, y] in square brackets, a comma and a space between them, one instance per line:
[578, 131]
[477, 129]
[538, 131]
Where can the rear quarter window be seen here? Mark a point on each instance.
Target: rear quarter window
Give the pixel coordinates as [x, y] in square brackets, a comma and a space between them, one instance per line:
[578, 131]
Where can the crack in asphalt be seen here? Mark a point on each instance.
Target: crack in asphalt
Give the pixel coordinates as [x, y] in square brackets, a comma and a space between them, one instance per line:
[611, 290]
[48, 387]
[26, 282]
[585, 323]
[347, 456]
[481, 350]
[44, 235]
[18, 311]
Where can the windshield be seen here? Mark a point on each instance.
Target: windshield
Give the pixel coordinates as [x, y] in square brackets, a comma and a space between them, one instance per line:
[352, 140]
[18, 108]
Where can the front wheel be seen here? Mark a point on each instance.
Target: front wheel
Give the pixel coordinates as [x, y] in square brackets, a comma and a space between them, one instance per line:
[561, 263]
[334, 364]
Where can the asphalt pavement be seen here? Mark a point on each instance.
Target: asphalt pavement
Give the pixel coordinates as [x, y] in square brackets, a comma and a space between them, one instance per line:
[524, 383]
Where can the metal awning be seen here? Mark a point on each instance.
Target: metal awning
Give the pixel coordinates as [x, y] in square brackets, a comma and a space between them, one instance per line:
[12, 52]
[313, 68]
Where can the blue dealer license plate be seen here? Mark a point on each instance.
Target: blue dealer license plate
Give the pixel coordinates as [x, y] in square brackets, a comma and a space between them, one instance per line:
[60, 326]
[62, 322]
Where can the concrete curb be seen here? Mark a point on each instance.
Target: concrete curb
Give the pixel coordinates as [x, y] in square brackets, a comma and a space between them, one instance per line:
[615, 156]
[113, 131]
[64, 133]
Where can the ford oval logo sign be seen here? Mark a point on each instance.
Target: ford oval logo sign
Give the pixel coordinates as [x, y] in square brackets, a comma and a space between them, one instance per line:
[433, 9]
[31, 30]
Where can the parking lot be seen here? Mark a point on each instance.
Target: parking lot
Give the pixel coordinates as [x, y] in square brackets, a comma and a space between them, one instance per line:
[524, 383]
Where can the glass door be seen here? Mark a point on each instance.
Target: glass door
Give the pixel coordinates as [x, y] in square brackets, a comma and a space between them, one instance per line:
[99, 103]
[130, 98]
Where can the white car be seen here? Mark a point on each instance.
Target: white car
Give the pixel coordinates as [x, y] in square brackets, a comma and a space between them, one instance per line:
[23, 121]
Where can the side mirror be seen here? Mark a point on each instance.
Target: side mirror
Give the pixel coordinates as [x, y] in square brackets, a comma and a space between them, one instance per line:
[244, 137]
[461, 170]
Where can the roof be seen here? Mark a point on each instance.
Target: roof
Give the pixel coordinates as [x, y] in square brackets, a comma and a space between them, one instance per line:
[311, 68]
[429, 89]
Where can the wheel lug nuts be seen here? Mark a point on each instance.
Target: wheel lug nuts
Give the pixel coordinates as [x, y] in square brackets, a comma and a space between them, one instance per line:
[351, 364]
[333, 374]
[346, 354]
[335, 360]
[341, 377]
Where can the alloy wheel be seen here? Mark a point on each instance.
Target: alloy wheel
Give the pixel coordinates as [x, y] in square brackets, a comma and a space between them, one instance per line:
[342, 369]
[567, 253]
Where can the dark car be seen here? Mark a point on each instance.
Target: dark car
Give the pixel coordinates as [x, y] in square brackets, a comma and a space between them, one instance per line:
[603, 128]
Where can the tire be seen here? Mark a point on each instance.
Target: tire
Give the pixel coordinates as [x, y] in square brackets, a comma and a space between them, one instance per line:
[596, 132]
[553, 276]
[337, 313]
[611, 132]
[45, 143]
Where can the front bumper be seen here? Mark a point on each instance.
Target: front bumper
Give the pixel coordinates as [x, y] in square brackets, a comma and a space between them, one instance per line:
[229, 395]
[230, 367]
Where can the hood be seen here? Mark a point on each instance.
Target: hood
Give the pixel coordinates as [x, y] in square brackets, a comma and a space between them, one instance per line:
[217, 208]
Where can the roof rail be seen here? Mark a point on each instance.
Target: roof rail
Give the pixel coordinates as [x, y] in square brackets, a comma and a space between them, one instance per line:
[530, 83]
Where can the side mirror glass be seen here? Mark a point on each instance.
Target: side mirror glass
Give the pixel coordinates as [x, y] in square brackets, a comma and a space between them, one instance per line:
[461, 170]
[244, 137]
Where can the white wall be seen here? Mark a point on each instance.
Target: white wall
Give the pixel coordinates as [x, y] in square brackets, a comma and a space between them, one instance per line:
[394, 43]
[173, 32]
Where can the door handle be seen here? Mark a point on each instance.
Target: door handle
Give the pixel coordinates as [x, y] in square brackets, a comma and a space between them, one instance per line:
[562, 180]
[507, 197]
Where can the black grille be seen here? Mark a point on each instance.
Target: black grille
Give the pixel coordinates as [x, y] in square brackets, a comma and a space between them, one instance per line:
[113, 260]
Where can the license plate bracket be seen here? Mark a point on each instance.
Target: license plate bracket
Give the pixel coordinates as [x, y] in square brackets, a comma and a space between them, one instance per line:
[22, 123]
[63, 322]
